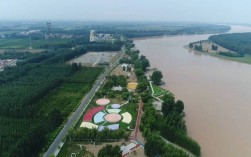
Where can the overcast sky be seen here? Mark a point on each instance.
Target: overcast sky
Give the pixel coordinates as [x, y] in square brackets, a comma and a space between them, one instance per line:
[237, 11]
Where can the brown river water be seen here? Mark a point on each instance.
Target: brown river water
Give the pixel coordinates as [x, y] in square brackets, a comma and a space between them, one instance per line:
[216, 92]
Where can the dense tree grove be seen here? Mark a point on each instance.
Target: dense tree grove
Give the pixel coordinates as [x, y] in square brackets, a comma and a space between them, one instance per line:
[155, 146]
[237, 42]
[27, 112]
[198, 47]
[19, 108]
[171, 125]
[137, 31]
[114, 80]
[110, 151]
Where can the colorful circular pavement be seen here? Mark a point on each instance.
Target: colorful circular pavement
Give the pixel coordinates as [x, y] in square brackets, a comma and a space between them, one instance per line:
[103, 102]
[116, 106]
[96, 117]
[113, 117]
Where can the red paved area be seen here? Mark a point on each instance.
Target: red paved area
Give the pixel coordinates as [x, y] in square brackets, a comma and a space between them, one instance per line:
[90, 113]
[138, 119]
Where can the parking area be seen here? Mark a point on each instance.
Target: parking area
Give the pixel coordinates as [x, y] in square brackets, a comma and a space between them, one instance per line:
[96, 58]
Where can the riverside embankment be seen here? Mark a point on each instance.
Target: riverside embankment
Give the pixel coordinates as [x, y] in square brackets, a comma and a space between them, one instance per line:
[216, 92]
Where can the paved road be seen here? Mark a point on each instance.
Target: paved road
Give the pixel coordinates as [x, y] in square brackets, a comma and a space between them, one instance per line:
[53, 149]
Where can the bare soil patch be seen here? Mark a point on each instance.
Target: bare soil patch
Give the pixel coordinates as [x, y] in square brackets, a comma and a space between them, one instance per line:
[131, 77]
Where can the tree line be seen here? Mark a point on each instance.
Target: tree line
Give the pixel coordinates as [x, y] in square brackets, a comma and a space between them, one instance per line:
[236, 42]
[85, 134]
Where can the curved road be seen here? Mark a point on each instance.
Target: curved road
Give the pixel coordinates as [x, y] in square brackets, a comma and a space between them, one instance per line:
[58, 142]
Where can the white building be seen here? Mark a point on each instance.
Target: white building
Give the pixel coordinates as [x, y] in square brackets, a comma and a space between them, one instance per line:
[99, 37]
[93, 35]
[127, 150]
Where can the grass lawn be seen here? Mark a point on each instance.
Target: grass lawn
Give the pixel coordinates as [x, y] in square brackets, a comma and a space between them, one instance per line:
[131, 108]
[158, 91]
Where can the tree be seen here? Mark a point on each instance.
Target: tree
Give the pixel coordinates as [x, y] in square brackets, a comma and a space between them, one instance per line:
[139, 72]
[156, 77]
[191, 45]
[121, 80]
[154, 145]
[125, 95]
[142, 86]
[168, 104]
[55, 118]
[111, 94]
[110, 151]
[198, 48]
[146, 96]
[214, 47]
[179, 106]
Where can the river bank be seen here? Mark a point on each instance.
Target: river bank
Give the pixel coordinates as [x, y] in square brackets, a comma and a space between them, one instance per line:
[215, 91]
[246, 59]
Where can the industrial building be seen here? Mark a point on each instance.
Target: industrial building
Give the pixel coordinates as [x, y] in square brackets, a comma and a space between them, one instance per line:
[99, 37]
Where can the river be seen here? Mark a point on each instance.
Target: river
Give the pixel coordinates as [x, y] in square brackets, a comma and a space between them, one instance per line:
[216, 92]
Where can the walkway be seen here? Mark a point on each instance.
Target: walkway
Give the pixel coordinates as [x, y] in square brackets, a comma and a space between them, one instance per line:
[151, 85]
[138, 119]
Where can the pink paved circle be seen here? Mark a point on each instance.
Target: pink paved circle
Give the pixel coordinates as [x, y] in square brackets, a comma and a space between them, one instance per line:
[112, 117]
[103, 102]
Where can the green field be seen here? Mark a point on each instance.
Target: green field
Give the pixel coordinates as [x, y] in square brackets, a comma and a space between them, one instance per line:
[36, 44]
[158, 91]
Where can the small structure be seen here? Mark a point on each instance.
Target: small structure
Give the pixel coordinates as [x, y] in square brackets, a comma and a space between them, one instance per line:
[93, 35]
[132, 85]
[99, 37]
[124, 65]
[127, 150]
[117, 88]
[157, 105]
